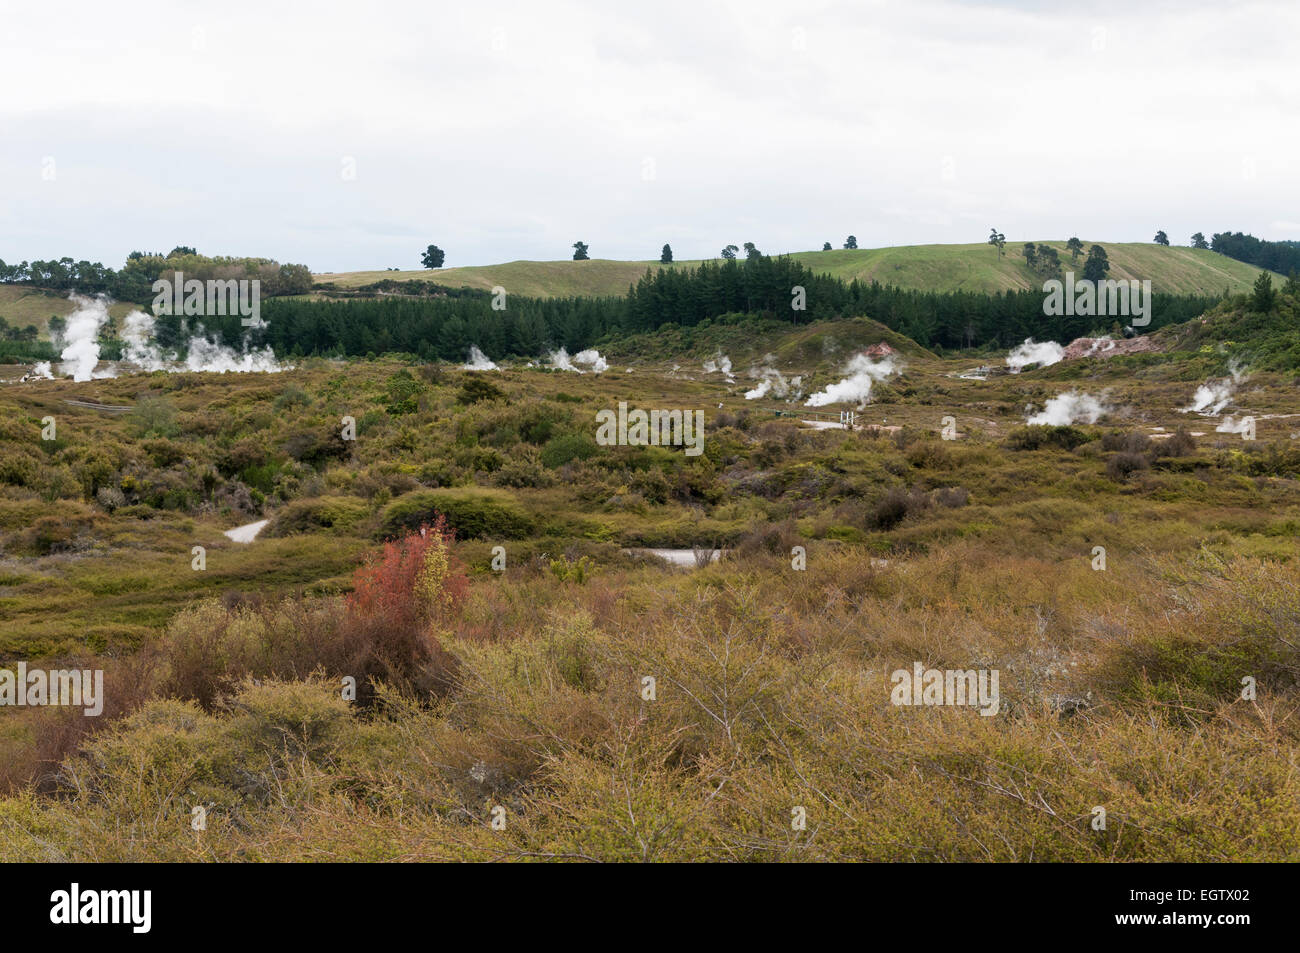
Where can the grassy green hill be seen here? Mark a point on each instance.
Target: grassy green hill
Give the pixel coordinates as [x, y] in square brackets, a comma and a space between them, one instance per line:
[978, 268]
[974, 267]
[21, 306]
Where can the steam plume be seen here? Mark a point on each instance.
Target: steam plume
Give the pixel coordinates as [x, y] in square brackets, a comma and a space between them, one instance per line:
[856, 388]
[1044, 355]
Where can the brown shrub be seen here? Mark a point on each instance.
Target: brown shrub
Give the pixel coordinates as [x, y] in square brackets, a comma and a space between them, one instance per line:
[953, 497]
[33, 756]
[897, 505]
[767, 539]
[929, 454]
[53, 534]
[1181, 444]
[1134, 441]
[1119, 466]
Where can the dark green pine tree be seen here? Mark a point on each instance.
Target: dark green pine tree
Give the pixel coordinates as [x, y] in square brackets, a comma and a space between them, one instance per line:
[1097, 265]
[453, 340]
[1264, 296]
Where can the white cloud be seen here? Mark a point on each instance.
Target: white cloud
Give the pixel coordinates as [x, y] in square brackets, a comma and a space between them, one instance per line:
[508, 130]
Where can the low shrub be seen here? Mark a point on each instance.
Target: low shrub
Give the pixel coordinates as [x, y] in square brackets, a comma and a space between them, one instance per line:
[566, 448]
[476, 389]
[897, 505]
[1181, 444]
[1134, 441]
[323, 512]
[49, 535]
[1120, 465]
[1040, 438]
[470, 513]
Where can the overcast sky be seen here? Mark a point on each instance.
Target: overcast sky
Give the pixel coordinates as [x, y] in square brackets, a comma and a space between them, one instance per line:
[350, 135]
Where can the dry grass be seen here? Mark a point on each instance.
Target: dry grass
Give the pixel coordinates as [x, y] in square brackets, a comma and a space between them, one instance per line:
[771, 693]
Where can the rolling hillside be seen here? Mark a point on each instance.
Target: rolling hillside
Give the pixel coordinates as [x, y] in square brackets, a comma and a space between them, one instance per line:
[974, 267]
[21, 306]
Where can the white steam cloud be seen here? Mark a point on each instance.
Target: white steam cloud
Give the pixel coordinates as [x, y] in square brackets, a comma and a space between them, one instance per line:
[590, 358]
[1072, 407]
[208, 355]
[139, 347]
[1044, 355]
[1214, 395]
[721, 363]
[1211, 398]
[1231, 425]
[771, 381]
[1100, 345]
[80, 336]
[478, 361]
[203, 353]
[80, 356]
[862, 372]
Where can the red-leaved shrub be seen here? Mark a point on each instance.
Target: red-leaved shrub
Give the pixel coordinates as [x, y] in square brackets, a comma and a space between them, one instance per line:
[400, 598]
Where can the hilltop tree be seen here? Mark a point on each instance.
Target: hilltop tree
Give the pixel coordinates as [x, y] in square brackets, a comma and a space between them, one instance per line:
[1161, 238]
[1075, 247]
[1095, 268]
[10, 274]
[826, 246]
[1263, 298]
[1198, 241]
[433, 257]
[729, 252]
[181, 250]
[997, 240]
[1049, 262]
[579, 251]
[1042, 259]
[666, 256]
[851, 242]
[752, 252]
